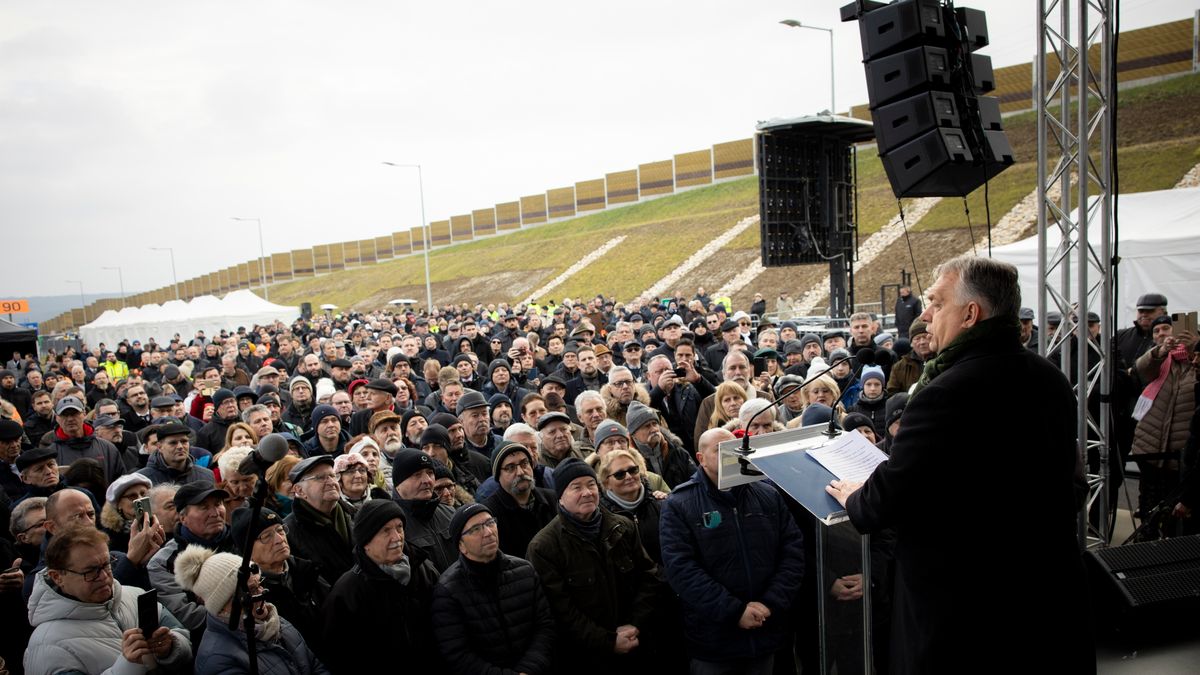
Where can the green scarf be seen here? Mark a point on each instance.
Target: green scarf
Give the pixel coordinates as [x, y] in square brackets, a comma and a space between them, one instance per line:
[998, 330]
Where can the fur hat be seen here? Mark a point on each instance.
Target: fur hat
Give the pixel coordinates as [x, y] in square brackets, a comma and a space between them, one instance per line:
[210, 575]
[231, 459]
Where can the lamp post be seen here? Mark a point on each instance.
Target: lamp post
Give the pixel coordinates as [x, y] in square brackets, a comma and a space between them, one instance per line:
[424, 231]
[262, 263]
[82, 302]
[174, 278]
[796, 24]
[121, 281]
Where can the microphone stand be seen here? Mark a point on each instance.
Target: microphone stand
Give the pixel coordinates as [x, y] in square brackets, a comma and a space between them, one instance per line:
[746, 450]
[243, 602]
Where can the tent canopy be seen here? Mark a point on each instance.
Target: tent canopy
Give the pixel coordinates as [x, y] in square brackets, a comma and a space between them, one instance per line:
[1159, 248]
[206, 313]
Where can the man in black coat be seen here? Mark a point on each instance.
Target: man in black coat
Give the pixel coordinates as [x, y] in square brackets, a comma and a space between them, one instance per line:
[521, 508]
[908, 308]
[489, 609]
[955, 590]
[319, 528]
[211, 436]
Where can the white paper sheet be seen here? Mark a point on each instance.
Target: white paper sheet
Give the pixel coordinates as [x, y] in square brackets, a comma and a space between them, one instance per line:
[851, 457]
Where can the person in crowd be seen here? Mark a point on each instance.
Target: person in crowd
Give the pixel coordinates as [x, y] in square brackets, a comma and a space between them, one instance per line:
[85, 621]
[319, 528]
[600, 624]
[729, 397]
[117, 514]
[427, 518]
[412, 423]
[975, 335]
[27, 526]
[479, 441]
[381, 396]
[239, 486]
[299, 411]
[908, 308]
[201, 523]
[471, 635]
[353, 476]
[211, 437]
[292, 584]
[74, 439]
[521, 508]
[663, 451]
[626, 492]
[555, 441]
[907, 370]
[436, 442]
[392, 583]
[328, 438]
[447, 490]
[856, 421]
[873, 400]
[172, 462]
[367, 448]
[279, 648]
[736, 559]
[280, 497]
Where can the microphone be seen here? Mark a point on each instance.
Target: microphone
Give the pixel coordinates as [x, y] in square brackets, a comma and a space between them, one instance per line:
[271, 449]
[746, 450]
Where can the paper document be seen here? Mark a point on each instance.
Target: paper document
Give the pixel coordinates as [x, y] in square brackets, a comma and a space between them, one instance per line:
[849, 457]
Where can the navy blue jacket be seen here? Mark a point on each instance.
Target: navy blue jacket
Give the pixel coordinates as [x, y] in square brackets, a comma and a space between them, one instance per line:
[723, 550]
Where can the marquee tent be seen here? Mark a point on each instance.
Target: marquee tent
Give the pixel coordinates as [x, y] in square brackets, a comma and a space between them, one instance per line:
[1159, 252]
[206, 313]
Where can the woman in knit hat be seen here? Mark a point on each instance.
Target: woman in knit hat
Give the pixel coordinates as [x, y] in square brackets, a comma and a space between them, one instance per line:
[212, 577]
[116, 516]
[368, 449]
[353, 477]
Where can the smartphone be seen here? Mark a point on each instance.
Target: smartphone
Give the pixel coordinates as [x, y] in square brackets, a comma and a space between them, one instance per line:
[142, 507]
[681, 372]
[1184, 321]
[148, 613]
[760, 366]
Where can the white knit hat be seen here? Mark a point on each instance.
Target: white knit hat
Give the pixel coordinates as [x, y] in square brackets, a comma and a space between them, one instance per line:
[231, 459]
[211, 576]
[325, 388]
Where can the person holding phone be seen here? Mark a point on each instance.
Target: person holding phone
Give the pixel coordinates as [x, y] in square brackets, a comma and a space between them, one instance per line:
[86, 621]
[118, 514]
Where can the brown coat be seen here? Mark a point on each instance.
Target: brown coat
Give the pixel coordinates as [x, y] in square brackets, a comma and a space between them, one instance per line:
[905, 374]
[1165, 426]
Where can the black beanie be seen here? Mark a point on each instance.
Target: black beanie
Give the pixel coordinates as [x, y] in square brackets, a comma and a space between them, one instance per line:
[894, 408]
[507, 448]
[436, 434]
[407, 462]
[568, 470]
[372, 517]
[855, 420]
[462, 515]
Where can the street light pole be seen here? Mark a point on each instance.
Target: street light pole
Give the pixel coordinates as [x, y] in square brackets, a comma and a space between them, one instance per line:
[796, 24]
[121, 281]
[174, 278]
[262, 263]
[424, 232]
[82, 302]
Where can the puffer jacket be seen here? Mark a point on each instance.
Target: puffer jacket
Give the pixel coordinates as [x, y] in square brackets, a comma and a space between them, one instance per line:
[493, 618]
[224, 651]
[721, 550]
[876, 410]
[70, 635]
[93, 447]
[1164, 428]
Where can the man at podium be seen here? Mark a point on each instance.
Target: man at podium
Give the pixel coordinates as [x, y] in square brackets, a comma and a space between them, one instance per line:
[984, 582]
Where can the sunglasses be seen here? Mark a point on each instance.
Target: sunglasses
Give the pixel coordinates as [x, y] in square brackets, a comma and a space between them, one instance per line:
[631, 471]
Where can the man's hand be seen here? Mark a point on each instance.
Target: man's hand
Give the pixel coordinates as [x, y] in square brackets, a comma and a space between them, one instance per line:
[14, 580]
[754, 616]
[847, 588]
[842, 489]
[691, 375]
[627, 639]
[162, 641]
[134, 646]
[145, 538]
[763, 382]
[666, 381]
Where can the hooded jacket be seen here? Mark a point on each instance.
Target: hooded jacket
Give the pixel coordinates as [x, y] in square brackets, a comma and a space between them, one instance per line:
[70, 635]
[88, 445]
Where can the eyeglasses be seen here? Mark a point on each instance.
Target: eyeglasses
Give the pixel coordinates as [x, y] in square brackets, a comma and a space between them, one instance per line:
[439, 489]
[327, 477]
[355, 469]
[490, 524]
[40, 523]
[269, 535]
[622, 383]
[93, 573]
[510, 468]
[631, 471]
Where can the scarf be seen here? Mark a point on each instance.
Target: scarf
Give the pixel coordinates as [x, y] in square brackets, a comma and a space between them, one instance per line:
[336, 519]
[1177, 355]
[628, 506]
[590, 529]
[997, 329]
[401, 571]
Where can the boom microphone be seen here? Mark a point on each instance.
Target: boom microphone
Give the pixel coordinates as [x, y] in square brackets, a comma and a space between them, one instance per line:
[271, 449]
[746, 450]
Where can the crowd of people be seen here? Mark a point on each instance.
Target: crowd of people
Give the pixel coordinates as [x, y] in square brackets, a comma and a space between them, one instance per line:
[476, 488]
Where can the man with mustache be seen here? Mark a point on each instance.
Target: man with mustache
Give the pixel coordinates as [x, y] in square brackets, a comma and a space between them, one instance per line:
[520, 508]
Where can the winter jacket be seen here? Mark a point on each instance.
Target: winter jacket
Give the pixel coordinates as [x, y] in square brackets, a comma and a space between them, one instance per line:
[594, 586]
[74, 636]
[71, 449]
[905, 373]
[183, 604]
[493, 618]
[224, 651]
[299, 595]
[373, 624]
[645, 518]
[519, 524]
[211, 436]
[676, 467]
[312, 536]
[427, 528]
[723, 549]
[159, 472]
[876, 410]
[1164, 428]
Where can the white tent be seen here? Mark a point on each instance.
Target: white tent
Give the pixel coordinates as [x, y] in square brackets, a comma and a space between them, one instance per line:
[206, 313]
[1159, 251]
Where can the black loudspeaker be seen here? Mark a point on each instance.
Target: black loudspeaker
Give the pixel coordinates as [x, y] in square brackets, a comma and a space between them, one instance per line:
[306, 310]
[1146, 586]
[937, 135]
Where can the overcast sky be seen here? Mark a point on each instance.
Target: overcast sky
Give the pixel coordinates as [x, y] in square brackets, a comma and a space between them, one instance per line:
[125, 125]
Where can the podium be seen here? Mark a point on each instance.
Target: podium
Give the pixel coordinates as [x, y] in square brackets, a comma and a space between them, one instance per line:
[844, 619]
